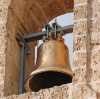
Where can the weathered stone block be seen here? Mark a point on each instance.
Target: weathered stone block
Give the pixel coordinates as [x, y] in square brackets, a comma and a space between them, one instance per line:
[80, 12]
[95, 38]
[2, 95]
[5, 2]
[2, 44]
[80, 43]
[82, 91]
[60, 92]
[3, 29]
[79, 58]
[1, 87]
[2, 60]
[3, 13]
[79, 75]
[80, 28]
[95, 85]
[79, 2]
[95, 9]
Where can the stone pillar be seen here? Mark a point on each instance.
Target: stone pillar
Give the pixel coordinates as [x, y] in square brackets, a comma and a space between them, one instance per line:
[86, 49]
[93, 46]
[3, 32]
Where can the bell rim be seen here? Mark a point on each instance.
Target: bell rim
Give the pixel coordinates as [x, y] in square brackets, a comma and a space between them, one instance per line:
[56, 69]
[40, 70]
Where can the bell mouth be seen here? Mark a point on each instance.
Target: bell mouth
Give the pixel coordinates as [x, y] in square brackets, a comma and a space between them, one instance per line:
[47, 79]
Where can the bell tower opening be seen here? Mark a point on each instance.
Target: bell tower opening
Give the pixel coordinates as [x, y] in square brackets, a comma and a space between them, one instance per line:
[26, 17]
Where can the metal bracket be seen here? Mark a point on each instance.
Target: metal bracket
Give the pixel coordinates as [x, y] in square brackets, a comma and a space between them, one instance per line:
[48, 28]
[24, 49]
[22, 68]
[21, 41]
[38, 36]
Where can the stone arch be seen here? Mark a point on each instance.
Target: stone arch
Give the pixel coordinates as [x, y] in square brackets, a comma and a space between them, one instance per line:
[40, 12]
[27, 16]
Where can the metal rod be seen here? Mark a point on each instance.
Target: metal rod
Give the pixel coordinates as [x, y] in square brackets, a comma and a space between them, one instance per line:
[55, 28]
[55, 31]
[22, 68]
[21, 40]
[24, 62]
[38, 36]
[47, 29]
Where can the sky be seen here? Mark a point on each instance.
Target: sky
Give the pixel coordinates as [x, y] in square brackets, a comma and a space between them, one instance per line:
[64, 20]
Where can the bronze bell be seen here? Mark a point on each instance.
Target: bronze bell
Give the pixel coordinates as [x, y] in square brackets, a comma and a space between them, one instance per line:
[52, 66]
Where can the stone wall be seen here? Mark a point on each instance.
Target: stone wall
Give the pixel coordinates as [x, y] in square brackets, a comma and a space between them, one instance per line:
[3, 42]
[86, 49]
[24, 17]
[62, 92]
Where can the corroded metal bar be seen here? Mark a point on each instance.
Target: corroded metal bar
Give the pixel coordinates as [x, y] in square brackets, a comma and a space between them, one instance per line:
[21, 40]
[38, 36]
[22, 68]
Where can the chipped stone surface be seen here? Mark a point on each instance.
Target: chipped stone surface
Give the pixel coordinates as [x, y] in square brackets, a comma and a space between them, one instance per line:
[86, 50]
[3, 40]
[82, 91]
[61, 92]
